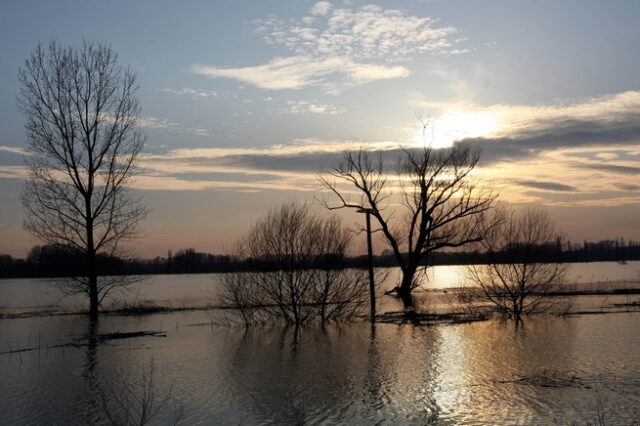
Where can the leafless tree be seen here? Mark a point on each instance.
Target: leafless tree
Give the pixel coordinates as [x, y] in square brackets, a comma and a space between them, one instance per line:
[520, 273]
[299, 272]
[339, 293]
[83, 137]
[429, 202]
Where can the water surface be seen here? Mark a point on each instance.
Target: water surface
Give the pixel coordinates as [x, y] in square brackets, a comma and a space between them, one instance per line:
[549, 371]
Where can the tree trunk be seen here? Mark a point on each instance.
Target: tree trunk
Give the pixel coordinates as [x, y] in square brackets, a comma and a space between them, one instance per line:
[372, 284]
[92, 270]
[90, 371]
[92, 275]
[404, 291]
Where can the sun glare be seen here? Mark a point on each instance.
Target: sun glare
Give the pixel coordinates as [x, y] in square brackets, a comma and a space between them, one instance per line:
[450, 127]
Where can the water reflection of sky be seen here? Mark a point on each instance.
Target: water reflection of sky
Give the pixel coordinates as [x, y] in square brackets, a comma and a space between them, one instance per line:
[550, 370]
[442, 277]
[29, 295]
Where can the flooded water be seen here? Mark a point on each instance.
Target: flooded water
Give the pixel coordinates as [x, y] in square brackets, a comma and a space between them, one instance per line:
[38, 295]
[552, 370]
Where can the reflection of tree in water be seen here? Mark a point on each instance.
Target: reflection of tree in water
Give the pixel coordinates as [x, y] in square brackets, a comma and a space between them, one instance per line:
[114, 400]
[266, 376]
[331, 375]
[90, 376]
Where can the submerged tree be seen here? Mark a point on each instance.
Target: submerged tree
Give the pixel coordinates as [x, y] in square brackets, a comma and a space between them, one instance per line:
[429, 202]
[520, 274]
[83, 137]
[298, 271]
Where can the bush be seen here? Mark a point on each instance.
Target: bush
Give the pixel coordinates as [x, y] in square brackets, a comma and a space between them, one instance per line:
[299, 272]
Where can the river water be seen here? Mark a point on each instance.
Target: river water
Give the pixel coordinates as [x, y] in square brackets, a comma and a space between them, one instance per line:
[550, 370]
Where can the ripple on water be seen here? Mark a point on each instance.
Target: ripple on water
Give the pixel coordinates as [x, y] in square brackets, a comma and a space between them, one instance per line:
[550, 370]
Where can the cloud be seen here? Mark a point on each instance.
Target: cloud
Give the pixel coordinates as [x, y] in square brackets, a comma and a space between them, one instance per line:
[221, 169]
[296, 72]
[614, 168]
[609, 111]
[303, 107]
[546, 186]
[193, 93]
[628, 186]
[295, 149]
[556, 179]
[292, 166]
[13, 172]
[607, 155]
[337, 48]
[162, 123]
[513, 131]
[14, 150]
[571, 153]
[369, 32]
[172, 183]
[321, 8]
[546, 154]
[581, 153]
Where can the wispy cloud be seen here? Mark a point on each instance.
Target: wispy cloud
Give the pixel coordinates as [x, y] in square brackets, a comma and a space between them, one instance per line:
[627, 186]
[195, 94]
[614, 168]
[305, 107]
[162, 123]
[14, 150]
[292, 166]
[546, 185]
[299, 147]
[296, 72]
[336, 48]
[13, 172]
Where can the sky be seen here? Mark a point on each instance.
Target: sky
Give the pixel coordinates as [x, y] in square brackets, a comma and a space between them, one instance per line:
[245, 102]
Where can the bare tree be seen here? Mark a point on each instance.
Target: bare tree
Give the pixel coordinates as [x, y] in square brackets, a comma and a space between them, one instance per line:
[429, 202]
[298, 270]
[83, 137]
[338, 292]
[522, 266]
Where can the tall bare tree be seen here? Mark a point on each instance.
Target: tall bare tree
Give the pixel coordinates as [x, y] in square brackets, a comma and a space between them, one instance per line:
[82, 132]
[522, 267]
[429, 202]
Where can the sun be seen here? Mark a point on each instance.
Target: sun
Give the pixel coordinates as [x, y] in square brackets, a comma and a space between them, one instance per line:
[443, 131]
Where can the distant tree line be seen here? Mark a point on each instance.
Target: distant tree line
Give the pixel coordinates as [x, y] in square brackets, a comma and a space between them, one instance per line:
[55, 260]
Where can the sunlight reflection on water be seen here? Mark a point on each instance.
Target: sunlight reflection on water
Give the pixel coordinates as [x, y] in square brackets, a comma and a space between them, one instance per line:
[33, 295]
[551, 371]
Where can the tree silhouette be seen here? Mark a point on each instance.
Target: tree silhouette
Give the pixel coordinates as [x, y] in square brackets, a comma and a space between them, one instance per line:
[83, 138]
[519, 273]
[429, 202]
[299, 273]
